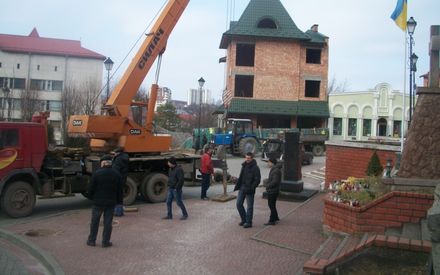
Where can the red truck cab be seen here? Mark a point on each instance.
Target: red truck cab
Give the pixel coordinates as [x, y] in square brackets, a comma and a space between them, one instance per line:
[23, 147]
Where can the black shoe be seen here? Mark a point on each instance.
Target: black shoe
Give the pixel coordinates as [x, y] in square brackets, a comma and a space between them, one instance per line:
[270, 223]
[167, 218]
[107, 244]
[205, 199]
[247, 225]
[241, 223]
[90, 243]
[184, 218]
[277, 219]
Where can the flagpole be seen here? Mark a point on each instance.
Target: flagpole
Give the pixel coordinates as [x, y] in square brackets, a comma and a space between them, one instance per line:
[402, 138]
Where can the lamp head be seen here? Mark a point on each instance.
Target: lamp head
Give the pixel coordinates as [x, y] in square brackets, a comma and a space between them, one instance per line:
[411, 25]
[201, 82]
[108, 64]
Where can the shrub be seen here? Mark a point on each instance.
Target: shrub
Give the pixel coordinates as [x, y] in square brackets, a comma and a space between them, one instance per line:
[374, 167]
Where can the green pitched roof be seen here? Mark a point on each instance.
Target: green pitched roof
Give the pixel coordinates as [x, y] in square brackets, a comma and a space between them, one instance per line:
[264, 9]
[316, 37]
[279, 107]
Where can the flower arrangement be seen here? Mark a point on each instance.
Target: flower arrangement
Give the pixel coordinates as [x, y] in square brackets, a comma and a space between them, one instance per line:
[356, 191]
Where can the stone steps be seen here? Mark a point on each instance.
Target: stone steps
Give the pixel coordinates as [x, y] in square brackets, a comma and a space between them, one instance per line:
[413, 231]
[340, 247]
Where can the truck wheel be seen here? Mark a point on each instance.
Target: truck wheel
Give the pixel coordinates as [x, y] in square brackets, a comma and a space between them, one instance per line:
[18, 199]
[130, 191]
[156, 188]
[143, 188]
[318, 150]
[247, 145]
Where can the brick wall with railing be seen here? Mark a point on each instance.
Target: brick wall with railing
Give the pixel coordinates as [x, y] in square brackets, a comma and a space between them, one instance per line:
[391, 210]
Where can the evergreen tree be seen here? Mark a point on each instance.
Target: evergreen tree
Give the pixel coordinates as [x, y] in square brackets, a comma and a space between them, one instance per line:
[374, 167]
[166, 117]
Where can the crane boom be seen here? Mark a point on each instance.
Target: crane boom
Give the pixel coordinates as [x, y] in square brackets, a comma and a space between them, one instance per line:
[116, 128]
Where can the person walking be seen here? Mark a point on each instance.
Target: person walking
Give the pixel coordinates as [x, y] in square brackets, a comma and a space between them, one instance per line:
[247, 182]
[207, 169]
[273, 189]
[120, 164]
[105, 191]
[175, 184]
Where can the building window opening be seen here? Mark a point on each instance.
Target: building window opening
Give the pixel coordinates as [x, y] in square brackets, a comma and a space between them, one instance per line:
[352, 127]
[382, 127]
[337, 126]
[18, 66]
[313, 56]
[56, 68]
[267, 23]
[38, 67]
[244, 86]
[245, 55]
[0, 64]
[366, 129]
[312, 88]
[397, 128]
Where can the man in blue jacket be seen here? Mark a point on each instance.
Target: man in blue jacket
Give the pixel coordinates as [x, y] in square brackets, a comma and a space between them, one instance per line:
[175, 185]
[248, 181]
[106, 191]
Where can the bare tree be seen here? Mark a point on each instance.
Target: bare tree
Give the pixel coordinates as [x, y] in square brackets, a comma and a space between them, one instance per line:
[335, 86]
[30, 103]
[89, 97]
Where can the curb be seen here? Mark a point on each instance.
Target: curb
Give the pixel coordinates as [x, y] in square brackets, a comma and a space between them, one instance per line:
[45, 259]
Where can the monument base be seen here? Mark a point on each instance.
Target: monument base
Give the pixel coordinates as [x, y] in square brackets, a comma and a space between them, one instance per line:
[304, 195]
[292, 186]
[223, 198]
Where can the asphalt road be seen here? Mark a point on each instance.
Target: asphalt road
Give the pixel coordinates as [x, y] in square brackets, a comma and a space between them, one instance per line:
[52, 207]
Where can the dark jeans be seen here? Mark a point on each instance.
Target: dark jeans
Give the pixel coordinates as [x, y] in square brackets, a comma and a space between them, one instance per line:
[206, 180]
[272, 201]
[178, 194]
[245, 215]
[97, 211]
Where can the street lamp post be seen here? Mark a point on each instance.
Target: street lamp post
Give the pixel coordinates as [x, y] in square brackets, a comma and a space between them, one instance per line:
[411, 25]
[414, 59]
[108, 66]
[201, 83]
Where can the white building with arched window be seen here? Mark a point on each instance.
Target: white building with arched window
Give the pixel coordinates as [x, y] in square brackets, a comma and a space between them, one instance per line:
[361, 115]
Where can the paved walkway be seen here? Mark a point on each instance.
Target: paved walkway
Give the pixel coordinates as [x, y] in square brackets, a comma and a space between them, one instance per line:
[209, 242]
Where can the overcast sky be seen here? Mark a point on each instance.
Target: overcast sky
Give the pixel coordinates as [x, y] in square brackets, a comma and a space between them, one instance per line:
[366, 47]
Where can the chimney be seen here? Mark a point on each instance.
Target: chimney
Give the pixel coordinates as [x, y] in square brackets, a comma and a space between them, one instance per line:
[314, 28]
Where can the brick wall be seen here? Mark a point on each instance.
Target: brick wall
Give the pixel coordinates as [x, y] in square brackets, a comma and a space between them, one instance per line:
[391, 210]
[350, 159]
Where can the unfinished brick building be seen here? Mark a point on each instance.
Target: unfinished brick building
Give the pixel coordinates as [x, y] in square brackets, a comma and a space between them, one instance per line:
[276, 74]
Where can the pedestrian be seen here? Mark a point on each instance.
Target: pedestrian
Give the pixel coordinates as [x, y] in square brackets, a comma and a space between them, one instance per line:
[175, 184]
[247, 182]
[204, 141]
[105, 191]
[207, 170]
[273, 189]
[120, 164]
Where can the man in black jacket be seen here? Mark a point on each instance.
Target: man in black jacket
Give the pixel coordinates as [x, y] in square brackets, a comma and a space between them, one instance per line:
[175, 184]
[248, 181]
[106, 191]
[273, 189]
[120, 164]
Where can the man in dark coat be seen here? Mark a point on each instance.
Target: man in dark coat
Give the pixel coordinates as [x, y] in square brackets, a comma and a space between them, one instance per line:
[120, 164]
[247, 182]
[175, 185]
[106, 191]
[273, 189]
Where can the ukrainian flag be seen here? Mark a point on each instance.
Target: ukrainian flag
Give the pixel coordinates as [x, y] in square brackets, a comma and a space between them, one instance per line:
[399, 14]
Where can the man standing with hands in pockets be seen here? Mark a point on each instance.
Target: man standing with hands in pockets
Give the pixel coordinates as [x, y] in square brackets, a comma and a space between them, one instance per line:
[248, 181]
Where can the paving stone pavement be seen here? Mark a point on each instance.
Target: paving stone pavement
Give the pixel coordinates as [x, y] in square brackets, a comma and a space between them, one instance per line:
[209, 242]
